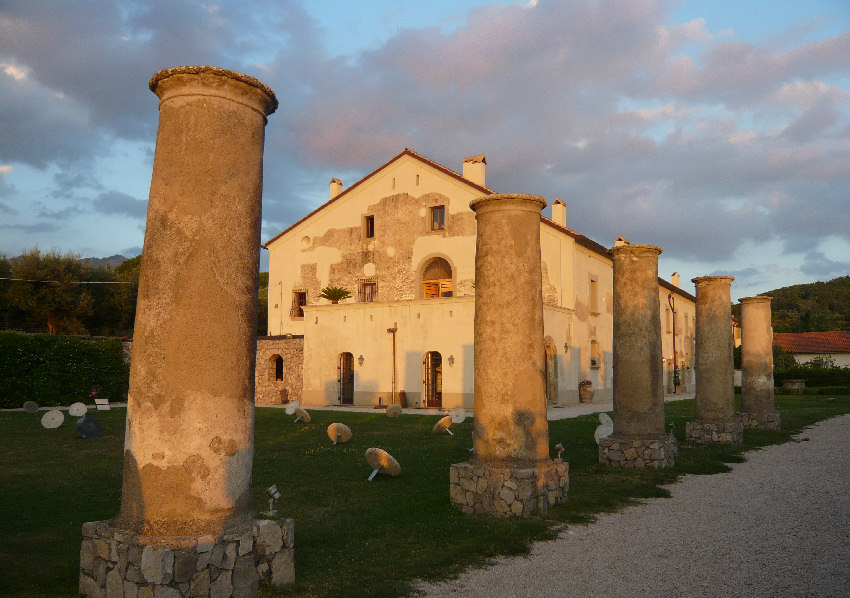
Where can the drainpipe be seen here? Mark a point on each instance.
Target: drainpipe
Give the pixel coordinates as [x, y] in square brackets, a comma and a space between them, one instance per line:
[672, 301]
[392, 331]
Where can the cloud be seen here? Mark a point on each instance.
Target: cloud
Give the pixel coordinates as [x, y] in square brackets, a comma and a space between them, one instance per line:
[818, 266]
[669, 133]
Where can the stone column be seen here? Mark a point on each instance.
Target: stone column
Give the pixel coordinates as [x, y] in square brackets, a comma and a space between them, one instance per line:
[715, 419]
[639, 439]
[757, 409]
[186, 523]
[510, 472]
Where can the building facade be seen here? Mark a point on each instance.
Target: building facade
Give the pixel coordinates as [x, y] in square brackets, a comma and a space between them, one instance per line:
[401, 240]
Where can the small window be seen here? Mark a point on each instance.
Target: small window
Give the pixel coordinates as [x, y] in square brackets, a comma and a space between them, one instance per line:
[438, 218]
[594, 354]
[594, 296]
[278, 368]
[369, 227]
[667, 320]
[368, 292]
[299, 300]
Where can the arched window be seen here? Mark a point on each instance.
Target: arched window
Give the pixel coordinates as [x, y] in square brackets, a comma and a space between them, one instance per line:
[437, 279]
[276, 368]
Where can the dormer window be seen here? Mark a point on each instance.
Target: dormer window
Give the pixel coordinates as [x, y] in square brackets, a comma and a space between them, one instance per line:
[369, 227]
[438, 218]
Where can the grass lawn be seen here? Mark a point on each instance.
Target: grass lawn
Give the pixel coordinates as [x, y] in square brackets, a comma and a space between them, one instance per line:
[353, 538]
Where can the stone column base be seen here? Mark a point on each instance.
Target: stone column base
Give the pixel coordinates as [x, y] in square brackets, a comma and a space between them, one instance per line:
[114, 562]
[761, 420]
[638, 453]
[728, 432]
[505, 491]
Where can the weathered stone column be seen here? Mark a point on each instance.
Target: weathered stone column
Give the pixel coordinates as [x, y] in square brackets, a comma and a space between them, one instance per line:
[639, 439]
[757, 410]
[715, 419]
[186, 524]
[510, 472]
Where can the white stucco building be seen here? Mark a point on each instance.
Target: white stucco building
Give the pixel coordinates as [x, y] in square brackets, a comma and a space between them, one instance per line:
[401, 240]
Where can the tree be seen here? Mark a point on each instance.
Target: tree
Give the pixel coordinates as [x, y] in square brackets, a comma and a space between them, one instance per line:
[334, 294]
[48, 293]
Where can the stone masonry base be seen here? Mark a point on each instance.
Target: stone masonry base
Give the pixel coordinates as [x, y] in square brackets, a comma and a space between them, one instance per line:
[761, 420]
[478, 487]
[638, 453]
[115, 563]
[729, 432]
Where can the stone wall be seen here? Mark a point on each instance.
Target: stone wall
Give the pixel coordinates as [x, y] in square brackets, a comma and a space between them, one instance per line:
[638, 453]
[730, 432]
[116, 563]
[507, 491]
[761, 420]
[268, 390]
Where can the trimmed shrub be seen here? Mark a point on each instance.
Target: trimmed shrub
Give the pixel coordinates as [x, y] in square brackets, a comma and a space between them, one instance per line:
[814, 376]
[59, 370]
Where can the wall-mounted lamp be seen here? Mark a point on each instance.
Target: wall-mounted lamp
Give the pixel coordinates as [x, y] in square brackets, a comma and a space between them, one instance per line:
[451, 360]
[360, 360]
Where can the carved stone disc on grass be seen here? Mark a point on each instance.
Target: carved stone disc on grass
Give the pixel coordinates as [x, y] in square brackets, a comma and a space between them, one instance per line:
[52, 419]
[443, 425]
[302, 415]
[339, 432]
[89, 427]
[291, 407]
[458, 414]
[31, 407]
[382, 461]
[77, 409]
[394, 410]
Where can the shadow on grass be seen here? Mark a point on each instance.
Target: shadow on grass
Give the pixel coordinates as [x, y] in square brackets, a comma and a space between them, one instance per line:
[353, 537]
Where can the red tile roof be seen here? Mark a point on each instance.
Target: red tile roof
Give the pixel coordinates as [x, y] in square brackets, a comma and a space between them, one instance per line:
[836, 341]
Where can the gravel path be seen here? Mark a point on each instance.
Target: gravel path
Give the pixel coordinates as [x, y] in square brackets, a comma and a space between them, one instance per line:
[778, 525]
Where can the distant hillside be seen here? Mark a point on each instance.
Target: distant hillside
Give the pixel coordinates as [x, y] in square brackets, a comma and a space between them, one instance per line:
[103, 262]
[812, 307]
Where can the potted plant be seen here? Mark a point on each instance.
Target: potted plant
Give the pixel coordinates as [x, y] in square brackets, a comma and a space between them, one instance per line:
[334, 294]
[585, 391]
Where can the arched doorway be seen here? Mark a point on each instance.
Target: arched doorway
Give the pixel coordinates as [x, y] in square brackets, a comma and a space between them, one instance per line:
[345, 378]
[433, 379]
[437, 279]
[550, 367]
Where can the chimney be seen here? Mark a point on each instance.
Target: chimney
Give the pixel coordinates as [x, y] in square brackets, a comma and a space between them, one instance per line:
[336, 187]
[674, 278]
[621, 240]
[475, 169]
[559, 213]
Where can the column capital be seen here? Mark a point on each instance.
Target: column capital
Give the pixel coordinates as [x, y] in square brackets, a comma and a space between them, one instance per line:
[520, 201]
[759, 299]
[216, 81]
[699, 280]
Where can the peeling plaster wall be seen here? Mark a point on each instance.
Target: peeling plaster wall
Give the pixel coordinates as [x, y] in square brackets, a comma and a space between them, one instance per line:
[331, 249]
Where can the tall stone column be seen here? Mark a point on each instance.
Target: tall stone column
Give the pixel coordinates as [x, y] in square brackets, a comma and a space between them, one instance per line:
[186, 524]
[639, 439]
[510, 472]
[715, 419]
[757, 409]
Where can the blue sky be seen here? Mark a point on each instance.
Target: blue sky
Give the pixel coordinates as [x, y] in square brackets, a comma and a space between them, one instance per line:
[717, 130]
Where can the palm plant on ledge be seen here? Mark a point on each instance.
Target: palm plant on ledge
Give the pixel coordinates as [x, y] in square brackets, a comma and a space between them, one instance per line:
[334, 294]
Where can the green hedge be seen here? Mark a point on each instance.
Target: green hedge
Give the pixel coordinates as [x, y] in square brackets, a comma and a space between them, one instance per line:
[60, 370]
[814, 377]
